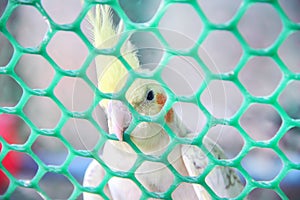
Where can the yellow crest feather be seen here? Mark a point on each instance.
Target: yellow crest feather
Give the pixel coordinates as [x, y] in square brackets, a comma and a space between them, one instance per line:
[110, 70]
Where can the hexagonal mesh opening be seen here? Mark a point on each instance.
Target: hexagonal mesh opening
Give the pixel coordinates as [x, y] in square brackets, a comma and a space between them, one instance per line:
[228, 69]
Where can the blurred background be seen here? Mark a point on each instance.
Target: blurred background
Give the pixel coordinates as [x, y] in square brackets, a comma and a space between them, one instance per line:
[180, 26]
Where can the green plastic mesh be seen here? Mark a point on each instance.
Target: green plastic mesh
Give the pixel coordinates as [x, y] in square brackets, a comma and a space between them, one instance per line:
[271, 52]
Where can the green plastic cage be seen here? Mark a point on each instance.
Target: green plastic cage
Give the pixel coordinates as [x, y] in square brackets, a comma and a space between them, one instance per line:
[279, 51]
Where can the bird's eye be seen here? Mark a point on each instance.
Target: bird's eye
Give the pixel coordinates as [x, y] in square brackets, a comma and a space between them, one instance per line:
[150, 95]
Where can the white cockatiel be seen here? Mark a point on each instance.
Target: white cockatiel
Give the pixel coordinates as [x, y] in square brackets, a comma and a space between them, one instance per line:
[148, 98]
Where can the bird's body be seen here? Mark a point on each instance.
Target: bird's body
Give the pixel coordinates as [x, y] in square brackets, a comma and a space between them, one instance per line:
[155, 177]
[148, 98]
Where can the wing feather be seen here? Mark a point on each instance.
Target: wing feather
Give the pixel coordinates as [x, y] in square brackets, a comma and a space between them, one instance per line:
[92, 178]
[222, 180]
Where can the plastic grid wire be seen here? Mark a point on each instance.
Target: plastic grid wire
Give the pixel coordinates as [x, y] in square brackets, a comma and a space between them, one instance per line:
[272, 52]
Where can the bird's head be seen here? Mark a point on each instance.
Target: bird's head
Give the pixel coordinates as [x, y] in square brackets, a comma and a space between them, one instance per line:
[147, 97]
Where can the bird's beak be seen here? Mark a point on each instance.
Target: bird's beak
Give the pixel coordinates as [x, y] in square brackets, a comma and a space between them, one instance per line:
[119, 118]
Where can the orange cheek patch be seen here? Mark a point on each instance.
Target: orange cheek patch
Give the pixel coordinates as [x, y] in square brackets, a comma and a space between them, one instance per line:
[169, 116]
[161, 100]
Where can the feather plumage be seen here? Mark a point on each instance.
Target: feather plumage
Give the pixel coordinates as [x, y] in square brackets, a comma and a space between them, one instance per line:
[149, 137]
